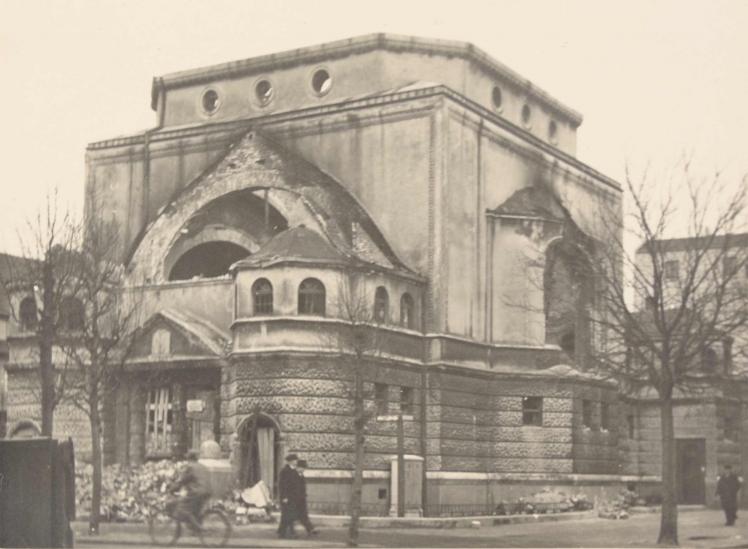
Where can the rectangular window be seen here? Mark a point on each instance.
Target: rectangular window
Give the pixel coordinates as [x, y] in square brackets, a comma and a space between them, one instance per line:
[631, 423]
[671, 269]
[159, 417]
[587, 413]
[605, 416]
[532, 411]
[407, 400]
[729, 265]
[381, 398]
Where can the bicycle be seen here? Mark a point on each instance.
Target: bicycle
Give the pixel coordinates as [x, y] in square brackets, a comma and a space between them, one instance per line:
[165, 528]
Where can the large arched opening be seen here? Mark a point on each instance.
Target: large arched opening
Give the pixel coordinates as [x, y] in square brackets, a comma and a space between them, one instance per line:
[260, 452]
[568, 300]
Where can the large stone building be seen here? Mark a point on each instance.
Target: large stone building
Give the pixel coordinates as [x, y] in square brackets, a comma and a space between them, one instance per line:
[421, 174]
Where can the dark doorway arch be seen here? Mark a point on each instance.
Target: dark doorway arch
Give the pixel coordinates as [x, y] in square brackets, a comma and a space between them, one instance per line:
[260, 451]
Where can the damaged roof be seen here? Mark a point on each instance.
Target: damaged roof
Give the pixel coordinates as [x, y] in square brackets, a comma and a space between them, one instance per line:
[297, 244]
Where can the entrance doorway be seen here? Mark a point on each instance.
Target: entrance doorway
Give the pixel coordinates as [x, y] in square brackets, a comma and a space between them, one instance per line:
[259, 439]
[690, 463]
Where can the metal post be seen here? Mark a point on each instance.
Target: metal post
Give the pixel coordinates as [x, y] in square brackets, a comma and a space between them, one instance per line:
[400, 466]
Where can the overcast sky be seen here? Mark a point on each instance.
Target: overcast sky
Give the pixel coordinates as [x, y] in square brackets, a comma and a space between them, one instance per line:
[653, 80]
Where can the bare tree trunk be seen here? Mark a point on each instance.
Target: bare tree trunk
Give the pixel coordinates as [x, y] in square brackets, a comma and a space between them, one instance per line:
[46, 341]
[669, 513]
[358, 445]
[95, 419]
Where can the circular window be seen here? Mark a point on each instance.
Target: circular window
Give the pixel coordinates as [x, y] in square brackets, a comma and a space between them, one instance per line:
[552, 132]
[526, 115]
[321, 82]
[211, 101]
[496, 98]
[264, 91]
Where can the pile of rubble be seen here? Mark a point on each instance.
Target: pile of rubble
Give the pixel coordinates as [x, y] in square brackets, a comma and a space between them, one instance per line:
[131, 494]
[545, 501]
[618, 508]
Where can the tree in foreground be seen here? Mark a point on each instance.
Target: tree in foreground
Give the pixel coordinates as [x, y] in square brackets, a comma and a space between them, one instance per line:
[665, 309]
[46, 274]
[98, 349]
[357, 338]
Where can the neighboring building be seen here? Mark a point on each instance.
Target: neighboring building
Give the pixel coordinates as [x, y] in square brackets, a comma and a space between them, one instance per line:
[421, 173]
[4, 319]
[711, 417]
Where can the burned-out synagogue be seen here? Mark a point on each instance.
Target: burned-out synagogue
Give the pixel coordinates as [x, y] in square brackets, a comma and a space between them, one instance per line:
[432, 179]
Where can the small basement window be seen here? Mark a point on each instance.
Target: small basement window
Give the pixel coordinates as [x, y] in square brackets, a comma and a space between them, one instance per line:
[532, 411]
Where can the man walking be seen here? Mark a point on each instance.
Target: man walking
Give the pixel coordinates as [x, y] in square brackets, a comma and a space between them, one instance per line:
[288, 494]
[727, 490]
[301, 506]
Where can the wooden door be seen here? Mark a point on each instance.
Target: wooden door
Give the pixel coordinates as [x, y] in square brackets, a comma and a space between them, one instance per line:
[690, 458]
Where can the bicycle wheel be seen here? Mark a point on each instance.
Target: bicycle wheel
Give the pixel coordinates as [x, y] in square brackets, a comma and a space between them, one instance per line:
[163, 529]
[216, 528]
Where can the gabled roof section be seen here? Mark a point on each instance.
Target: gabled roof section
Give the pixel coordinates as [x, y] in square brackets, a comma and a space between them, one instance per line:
[256, 162]
[297, 244]
[669, 245]
[198, 331]
[534, 201]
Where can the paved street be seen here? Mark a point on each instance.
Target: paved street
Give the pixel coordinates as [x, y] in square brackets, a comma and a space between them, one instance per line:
[700, 529]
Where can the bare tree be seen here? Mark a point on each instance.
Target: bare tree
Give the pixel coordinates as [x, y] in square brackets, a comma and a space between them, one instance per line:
[46, 272]
[98, 348]
[359, 338]
[663, 309]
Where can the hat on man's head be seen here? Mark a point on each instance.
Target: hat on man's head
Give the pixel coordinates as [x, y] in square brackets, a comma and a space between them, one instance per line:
[302, 463]
[292, 457]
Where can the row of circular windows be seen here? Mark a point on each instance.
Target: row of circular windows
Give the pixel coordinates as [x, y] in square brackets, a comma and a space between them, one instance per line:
[497, 101]
[321, 84]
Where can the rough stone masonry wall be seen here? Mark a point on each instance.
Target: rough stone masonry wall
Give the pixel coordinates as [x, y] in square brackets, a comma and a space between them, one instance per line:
[480, 427]
[23, 403]
[311, 398]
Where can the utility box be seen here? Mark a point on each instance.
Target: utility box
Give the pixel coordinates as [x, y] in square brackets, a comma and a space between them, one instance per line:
[37, 493]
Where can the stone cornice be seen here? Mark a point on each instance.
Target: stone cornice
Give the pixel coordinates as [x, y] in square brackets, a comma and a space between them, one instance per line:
[358, 45]
[245, 124]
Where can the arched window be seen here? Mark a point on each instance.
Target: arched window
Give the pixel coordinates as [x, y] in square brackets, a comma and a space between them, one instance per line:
[407, 318]
[262, 297]
[72, 316]
[312, 297]
[381, 305]
[27, 314]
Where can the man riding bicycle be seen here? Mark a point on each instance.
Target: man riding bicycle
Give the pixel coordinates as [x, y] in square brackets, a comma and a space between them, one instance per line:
[195, 480]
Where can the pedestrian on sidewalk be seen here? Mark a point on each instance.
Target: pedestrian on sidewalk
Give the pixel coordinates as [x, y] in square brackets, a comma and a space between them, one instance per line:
[303, 512]
[288, 495]
[728, 486]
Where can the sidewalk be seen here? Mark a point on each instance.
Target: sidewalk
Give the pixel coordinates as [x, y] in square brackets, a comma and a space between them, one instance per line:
[264, 534]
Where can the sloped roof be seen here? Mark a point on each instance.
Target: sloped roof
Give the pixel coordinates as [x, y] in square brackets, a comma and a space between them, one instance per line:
[206, 334]
[297, 244]
[14, 266]
[532, 201]
[667, 245]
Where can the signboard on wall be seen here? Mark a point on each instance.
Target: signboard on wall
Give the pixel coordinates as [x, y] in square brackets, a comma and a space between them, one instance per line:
[195, 405]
